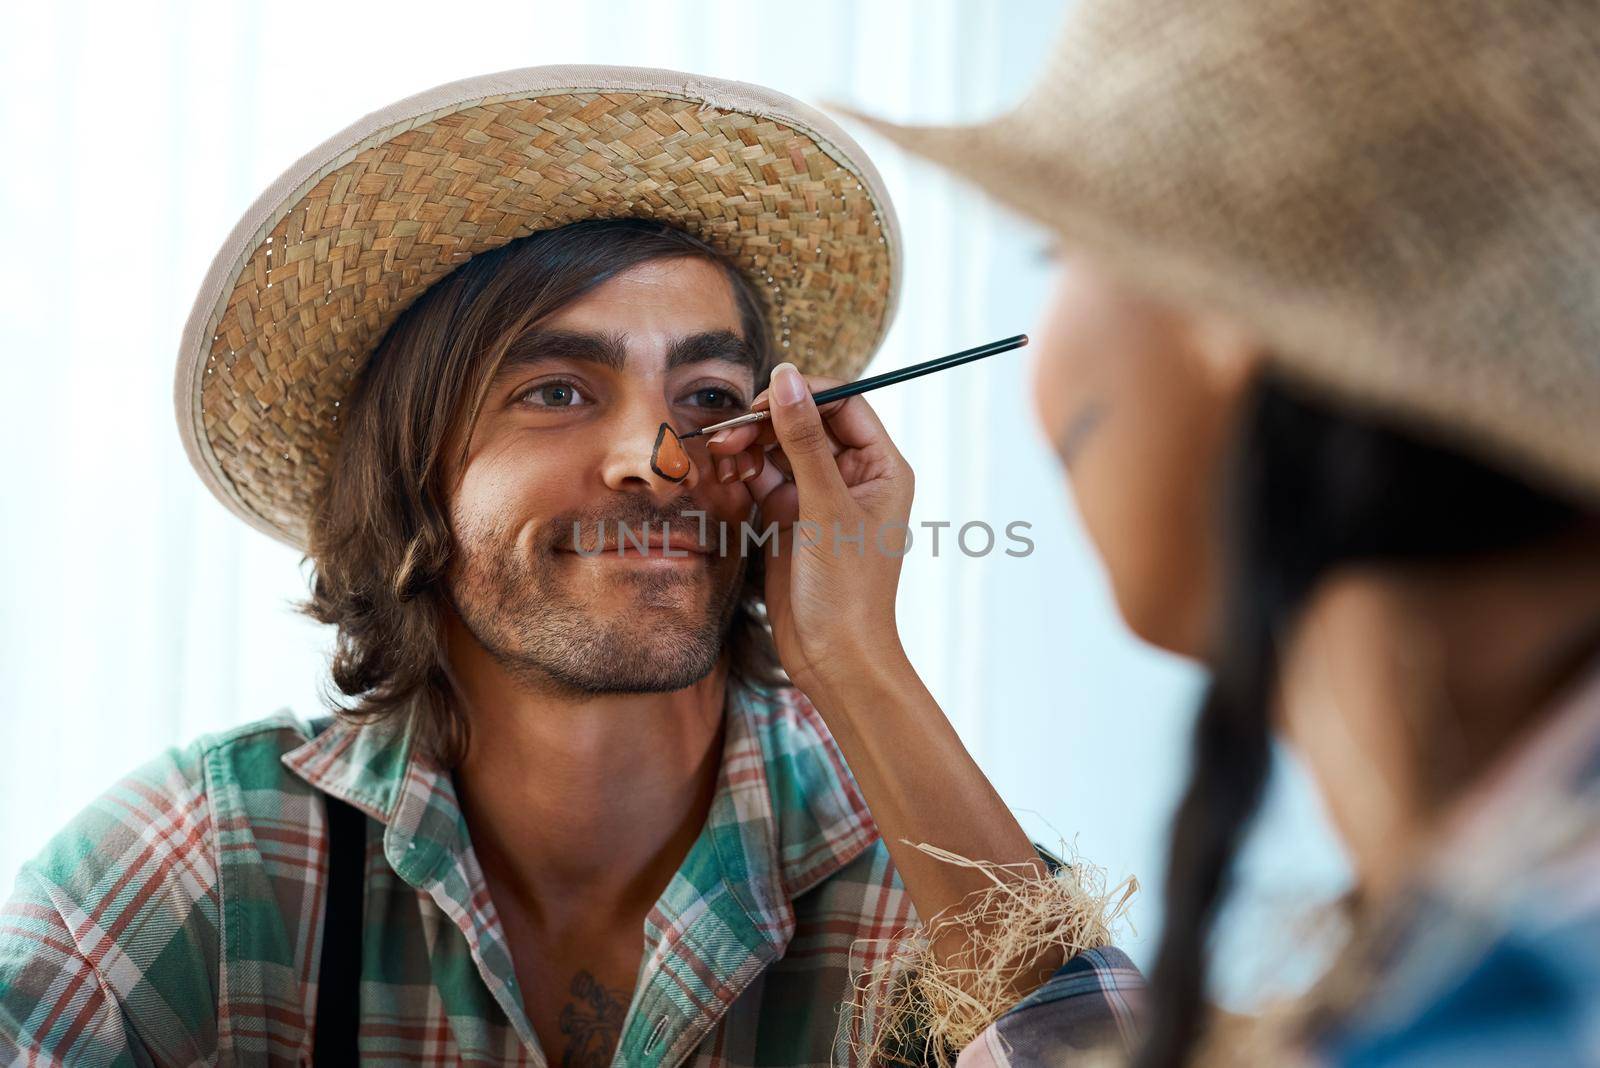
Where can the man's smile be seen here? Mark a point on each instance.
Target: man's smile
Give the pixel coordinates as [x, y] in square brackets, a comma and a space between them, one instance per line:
[654, 545]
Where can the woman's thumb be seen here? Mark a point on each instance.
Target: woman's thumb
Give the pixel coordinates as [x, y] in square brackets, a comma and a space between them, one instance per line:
[799, 429]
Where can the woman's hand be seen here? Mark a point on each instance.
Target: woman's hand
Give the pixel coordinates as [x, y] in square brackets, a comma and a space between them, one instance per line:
[825, 477]
[840, 494]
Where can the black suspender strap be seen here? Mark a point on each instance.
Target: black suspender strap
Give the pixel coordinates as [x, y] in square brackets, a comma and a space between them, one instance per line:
[338, 986]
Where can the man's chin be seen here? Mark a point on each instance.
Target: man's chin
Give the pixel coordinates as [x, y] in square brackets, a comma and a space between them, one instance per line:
[635, 658]
[627, 628]
[649, 606]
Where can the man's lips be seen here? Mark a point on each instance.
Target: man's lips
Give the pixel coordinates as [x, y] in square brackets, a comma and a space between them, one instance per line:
[657, 545]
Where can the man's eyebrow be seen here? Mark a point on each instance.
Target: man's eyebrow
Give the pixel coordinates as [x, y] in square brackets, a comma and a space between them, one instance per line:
[537, 346]
[722, 345]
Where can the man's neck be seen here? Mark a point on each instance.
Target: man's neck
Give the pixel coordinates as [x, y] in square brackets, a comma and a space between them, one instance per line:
[586, 803]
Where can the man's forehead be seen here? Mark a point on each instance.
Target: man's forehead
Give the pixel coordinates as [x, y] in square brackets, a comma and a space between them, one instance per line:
[676, 294]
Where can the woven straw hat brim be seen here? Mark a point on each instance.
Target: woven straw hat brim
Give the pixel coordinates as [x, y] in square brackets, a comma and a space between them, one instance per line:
[334, 251]
[1402, 200]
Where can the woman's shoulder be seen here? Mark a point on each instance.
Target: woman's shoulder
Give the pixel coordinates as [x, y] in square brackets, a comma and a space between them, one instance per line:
[1494, 956]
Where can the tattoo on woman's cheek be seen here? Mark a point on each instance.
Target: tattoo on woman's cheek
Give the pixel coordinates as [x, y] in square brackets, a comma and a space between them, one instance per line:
[592, 1022]
[1079, 427]
[668, 459]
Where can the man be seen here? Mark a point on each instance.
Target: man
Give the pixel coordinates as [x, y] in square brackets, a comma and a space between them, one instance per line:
[600, 825]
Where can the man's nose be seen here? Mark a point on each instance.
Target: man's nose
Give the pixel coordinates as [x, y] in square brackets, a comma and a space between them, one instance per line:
[645, 452]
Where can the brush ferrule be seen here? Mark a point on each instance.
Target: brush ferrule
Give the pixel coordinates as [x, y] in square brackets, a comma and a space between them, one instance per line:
[739, 420]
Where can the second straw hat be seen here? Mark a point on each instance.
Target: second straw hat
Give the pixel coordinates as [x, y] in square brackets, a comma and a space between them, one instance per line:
[1402, 197]
[340, 245]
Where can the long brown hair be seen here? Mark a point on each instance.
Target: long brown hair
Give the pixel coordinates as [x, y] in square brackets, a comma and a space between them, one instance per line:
[380, 540]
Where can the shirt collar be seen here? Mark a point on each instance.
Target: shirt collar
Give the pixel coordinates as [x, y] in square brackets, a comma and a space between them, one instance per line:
[1513, 858]
[787, 812]
[786, 803]
[380, 768]
[1536, 803]
[786, 798]
[786, 815]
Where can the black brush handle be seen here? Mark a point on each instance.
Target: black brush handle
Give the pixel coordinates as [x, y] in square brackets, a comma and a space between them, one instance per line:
[917, 370]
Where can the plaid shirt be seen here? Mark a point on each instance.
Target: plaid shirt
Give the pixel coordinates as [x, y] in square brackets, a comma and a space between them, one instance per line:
[177, 919]
[1493, 957]
[1088, 1011]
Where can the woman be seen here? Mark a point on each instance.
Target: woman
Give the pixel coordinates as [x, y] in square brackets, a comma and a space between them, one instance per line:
[1323, 365]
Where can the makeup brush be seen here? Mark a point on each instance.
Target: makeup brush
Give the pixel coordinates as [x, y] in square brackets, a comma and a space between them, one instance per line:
[888, 378]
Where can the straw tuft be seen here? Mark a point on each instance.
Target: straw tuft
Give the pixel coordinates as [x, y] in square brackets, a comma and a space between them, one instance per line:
[910, 1008]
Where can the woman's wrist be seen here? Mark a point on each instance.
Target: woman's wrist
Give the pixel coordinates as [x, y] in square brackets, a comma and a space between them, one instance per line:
[860, 678]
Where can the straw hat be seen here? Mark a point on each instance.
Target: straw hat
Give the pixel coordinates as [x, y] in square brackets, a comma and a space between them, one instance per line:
[1402, 197]
[328, 257]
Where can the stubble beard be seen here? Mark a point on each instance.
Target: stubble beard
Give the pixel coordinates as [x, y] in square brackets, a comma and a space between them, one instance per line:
[520, 610]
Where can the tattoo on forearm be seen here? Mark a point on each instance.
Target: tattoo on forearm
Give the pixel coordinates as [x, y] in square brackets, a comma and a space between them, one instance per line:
[592, 1023]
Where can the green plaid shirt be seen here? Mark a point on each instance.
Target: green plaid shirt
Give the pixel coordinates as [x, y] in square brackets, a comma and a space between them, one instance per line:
[178, 918]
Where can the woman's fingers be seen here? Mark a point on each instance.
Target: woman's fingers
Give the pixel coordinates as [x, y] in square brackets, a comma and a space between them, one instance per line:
[805, 440]
[782, 505]
[748, 464]
[740, 466]
[850, 420]
[759, 436]
[815, 383]
[740, 453]
[734, 439]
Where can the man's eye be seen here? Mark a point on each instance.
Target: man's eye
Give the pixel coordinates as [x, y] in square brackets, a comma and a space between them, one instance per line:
[711, 397]
[552, 395]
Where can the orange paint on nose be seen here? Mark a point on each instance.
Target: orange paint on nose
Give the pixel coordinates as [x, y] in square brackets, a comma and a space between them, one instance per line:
[668, 458]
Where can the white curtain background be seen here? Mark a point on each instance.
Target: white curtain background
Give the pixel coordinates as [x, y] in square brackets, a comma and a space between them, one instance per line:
[138, 613]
